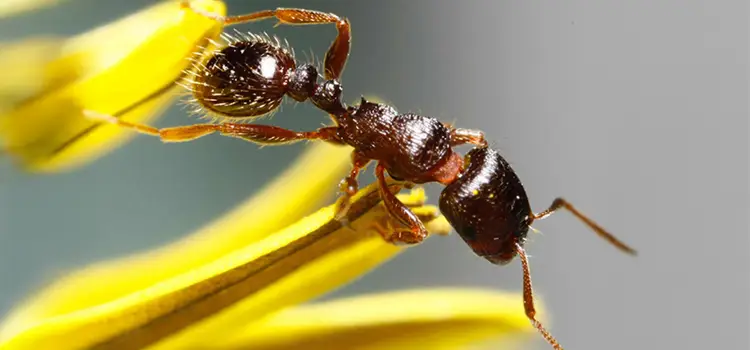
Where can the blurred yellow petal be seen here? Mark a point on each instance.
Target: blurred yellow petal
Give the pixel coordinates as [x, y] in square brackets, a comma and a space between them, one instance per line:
[126, 68]
[293, 194]
[329, 263]
[15, 7]
[436, 318]
[299, 262]
[29, 71]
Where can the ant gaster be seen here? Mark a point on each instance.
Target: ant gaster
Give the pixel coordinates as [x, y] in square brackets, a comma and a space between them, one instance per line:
[483, 198]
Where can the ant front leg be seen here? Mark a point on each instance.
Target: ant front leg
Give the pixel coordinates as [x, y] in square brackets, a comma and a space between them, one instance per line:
[399, 211]
[463, 136]
[338, 52]
[349, 185]
[260, 134]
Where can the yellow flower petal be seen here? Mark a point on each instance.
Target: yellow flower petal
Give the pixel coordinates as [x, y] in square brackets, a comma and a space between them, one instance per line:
[126, 68]
[436, 318]
[328, 264]
[297, 263]
[15, 7]
[29, 70]
[293, 194]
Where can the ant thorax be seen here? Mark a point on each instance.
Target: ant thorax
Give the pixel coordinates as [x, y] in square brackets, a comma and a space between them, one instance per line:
[415, 148]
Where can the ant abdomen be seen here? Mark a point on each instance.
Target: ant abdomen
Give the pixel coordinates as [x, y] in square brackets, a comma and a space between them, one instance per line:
[247, 78]
[488, 206]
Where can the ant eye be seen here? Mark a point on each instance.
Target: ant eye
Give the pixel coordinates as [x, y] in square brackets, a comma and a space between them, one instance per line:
[244, 79]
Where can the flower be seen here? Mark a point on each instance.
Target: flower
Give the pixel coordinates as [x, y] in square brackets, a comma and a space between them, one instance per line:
[14, 7]
[126, 68]
[244, 280]
[236, 281]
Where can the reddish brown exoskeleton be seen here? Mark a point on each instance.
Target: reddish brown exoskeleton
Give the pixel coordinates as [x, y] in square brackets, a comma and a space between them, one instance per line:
[483, 198]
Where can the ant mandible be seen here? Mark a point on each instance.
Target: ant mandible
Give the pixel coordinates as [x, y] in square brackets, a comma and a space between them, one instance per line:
[483, 198]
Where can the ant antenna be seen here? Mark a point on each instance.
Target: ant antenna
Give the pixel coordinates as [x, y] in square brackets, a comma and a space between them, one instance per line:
[528, 299]
[562, 203]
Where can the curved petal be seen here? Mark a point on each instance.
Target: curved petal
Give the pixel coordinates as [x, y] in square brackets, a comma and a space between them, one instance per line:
[295, 264]
[296, 192]
[126, 68]
[15, 7]
[28, 71]
[329, 263]
[435, 318]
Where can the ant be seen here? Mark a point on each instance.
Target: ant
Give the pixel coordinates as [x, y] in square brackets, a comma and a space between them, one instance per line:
[483, 198]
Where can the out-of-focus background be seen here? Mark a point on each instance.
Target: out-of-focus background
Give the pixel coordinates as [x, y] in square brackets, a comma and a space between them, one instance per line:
[636, 111]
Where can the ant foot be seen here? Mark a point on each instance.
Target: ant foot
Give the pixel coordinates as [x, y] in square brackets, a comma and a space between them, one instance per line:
[405, 238]
[384, 226]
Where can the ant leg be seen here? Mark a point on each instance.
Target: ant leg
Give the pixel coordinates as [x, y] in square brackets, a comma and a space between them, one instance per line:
[338, 52]
[463, 136]
[528, 299]
[273, 135]
[384, 225]
[417, 232]
[562, 203]
[349, 185]
[260, 134]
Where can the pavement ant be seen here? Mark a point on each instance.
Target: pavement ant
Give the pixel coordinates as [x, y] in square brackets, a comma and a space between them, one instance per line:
[483, 198]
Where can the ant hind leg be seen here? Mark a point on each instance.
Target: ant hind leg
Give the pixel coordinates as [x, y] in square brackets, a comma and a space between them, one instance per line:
[174, 134]
[338, 52]
[260, 134]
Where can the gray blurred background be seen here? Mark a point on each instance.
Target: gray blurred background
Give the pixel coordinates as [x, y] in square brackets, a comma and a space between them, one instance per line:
[636, 111]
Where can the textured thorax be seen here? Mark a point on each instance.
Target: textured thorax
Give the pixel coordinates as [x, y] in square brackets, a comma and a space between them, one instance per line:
[408, 144]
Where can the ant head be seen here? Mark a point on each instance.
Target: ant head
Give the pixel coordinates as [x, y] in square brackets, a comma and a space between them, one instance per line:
[247, 78]
[488, 206]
